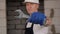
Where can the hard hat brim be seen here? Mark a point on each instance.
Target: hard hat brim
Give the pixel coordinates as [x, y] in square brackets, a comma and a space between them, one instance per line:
[30, 2]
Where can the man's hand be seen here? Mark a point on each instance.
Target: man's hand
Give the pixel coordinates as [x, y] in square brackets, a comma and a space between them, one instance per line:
[37, 18]
[48, 21]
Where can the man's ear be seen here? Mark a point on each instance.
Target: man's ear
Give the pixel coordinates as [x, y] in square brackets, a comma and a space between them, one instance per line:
[37, 6]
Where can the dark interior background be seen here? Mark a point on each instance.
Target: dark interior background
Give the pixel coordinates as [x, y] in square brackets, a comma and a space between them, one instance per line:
[15, 25]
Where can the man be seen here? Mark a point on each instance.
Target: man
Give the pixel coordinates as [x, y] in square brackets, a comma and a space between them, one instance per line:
[37, 20]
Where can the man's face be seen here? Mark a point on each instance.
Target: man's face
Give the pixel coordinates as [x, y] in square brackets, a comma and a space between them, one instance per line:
[31, 7]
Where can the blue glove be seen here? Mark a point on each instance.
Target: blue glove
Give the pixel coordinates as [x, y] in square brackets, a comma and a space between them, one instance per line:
[37, 18]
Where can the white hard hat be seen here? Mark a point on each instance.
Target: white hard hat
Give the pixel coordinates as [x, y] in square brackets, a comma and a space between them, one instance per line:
[32, 1]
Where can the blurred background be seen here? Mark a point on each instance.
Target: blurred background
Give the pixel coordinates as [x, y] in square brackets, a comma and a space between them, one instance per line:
[13, 15]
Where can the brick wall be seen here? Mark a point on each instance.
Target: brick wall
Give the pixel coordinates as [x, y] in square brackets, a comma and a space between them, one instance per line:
[2, 17]
[55, 4]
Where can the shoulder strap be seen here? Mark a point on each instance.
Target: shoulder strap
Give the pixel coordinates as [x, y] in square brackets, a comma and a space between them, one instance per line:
[32, 26]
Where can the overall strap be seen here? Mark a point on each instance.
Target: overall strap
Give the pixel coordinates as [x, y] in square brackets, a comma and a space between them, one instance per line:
[32, 26]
